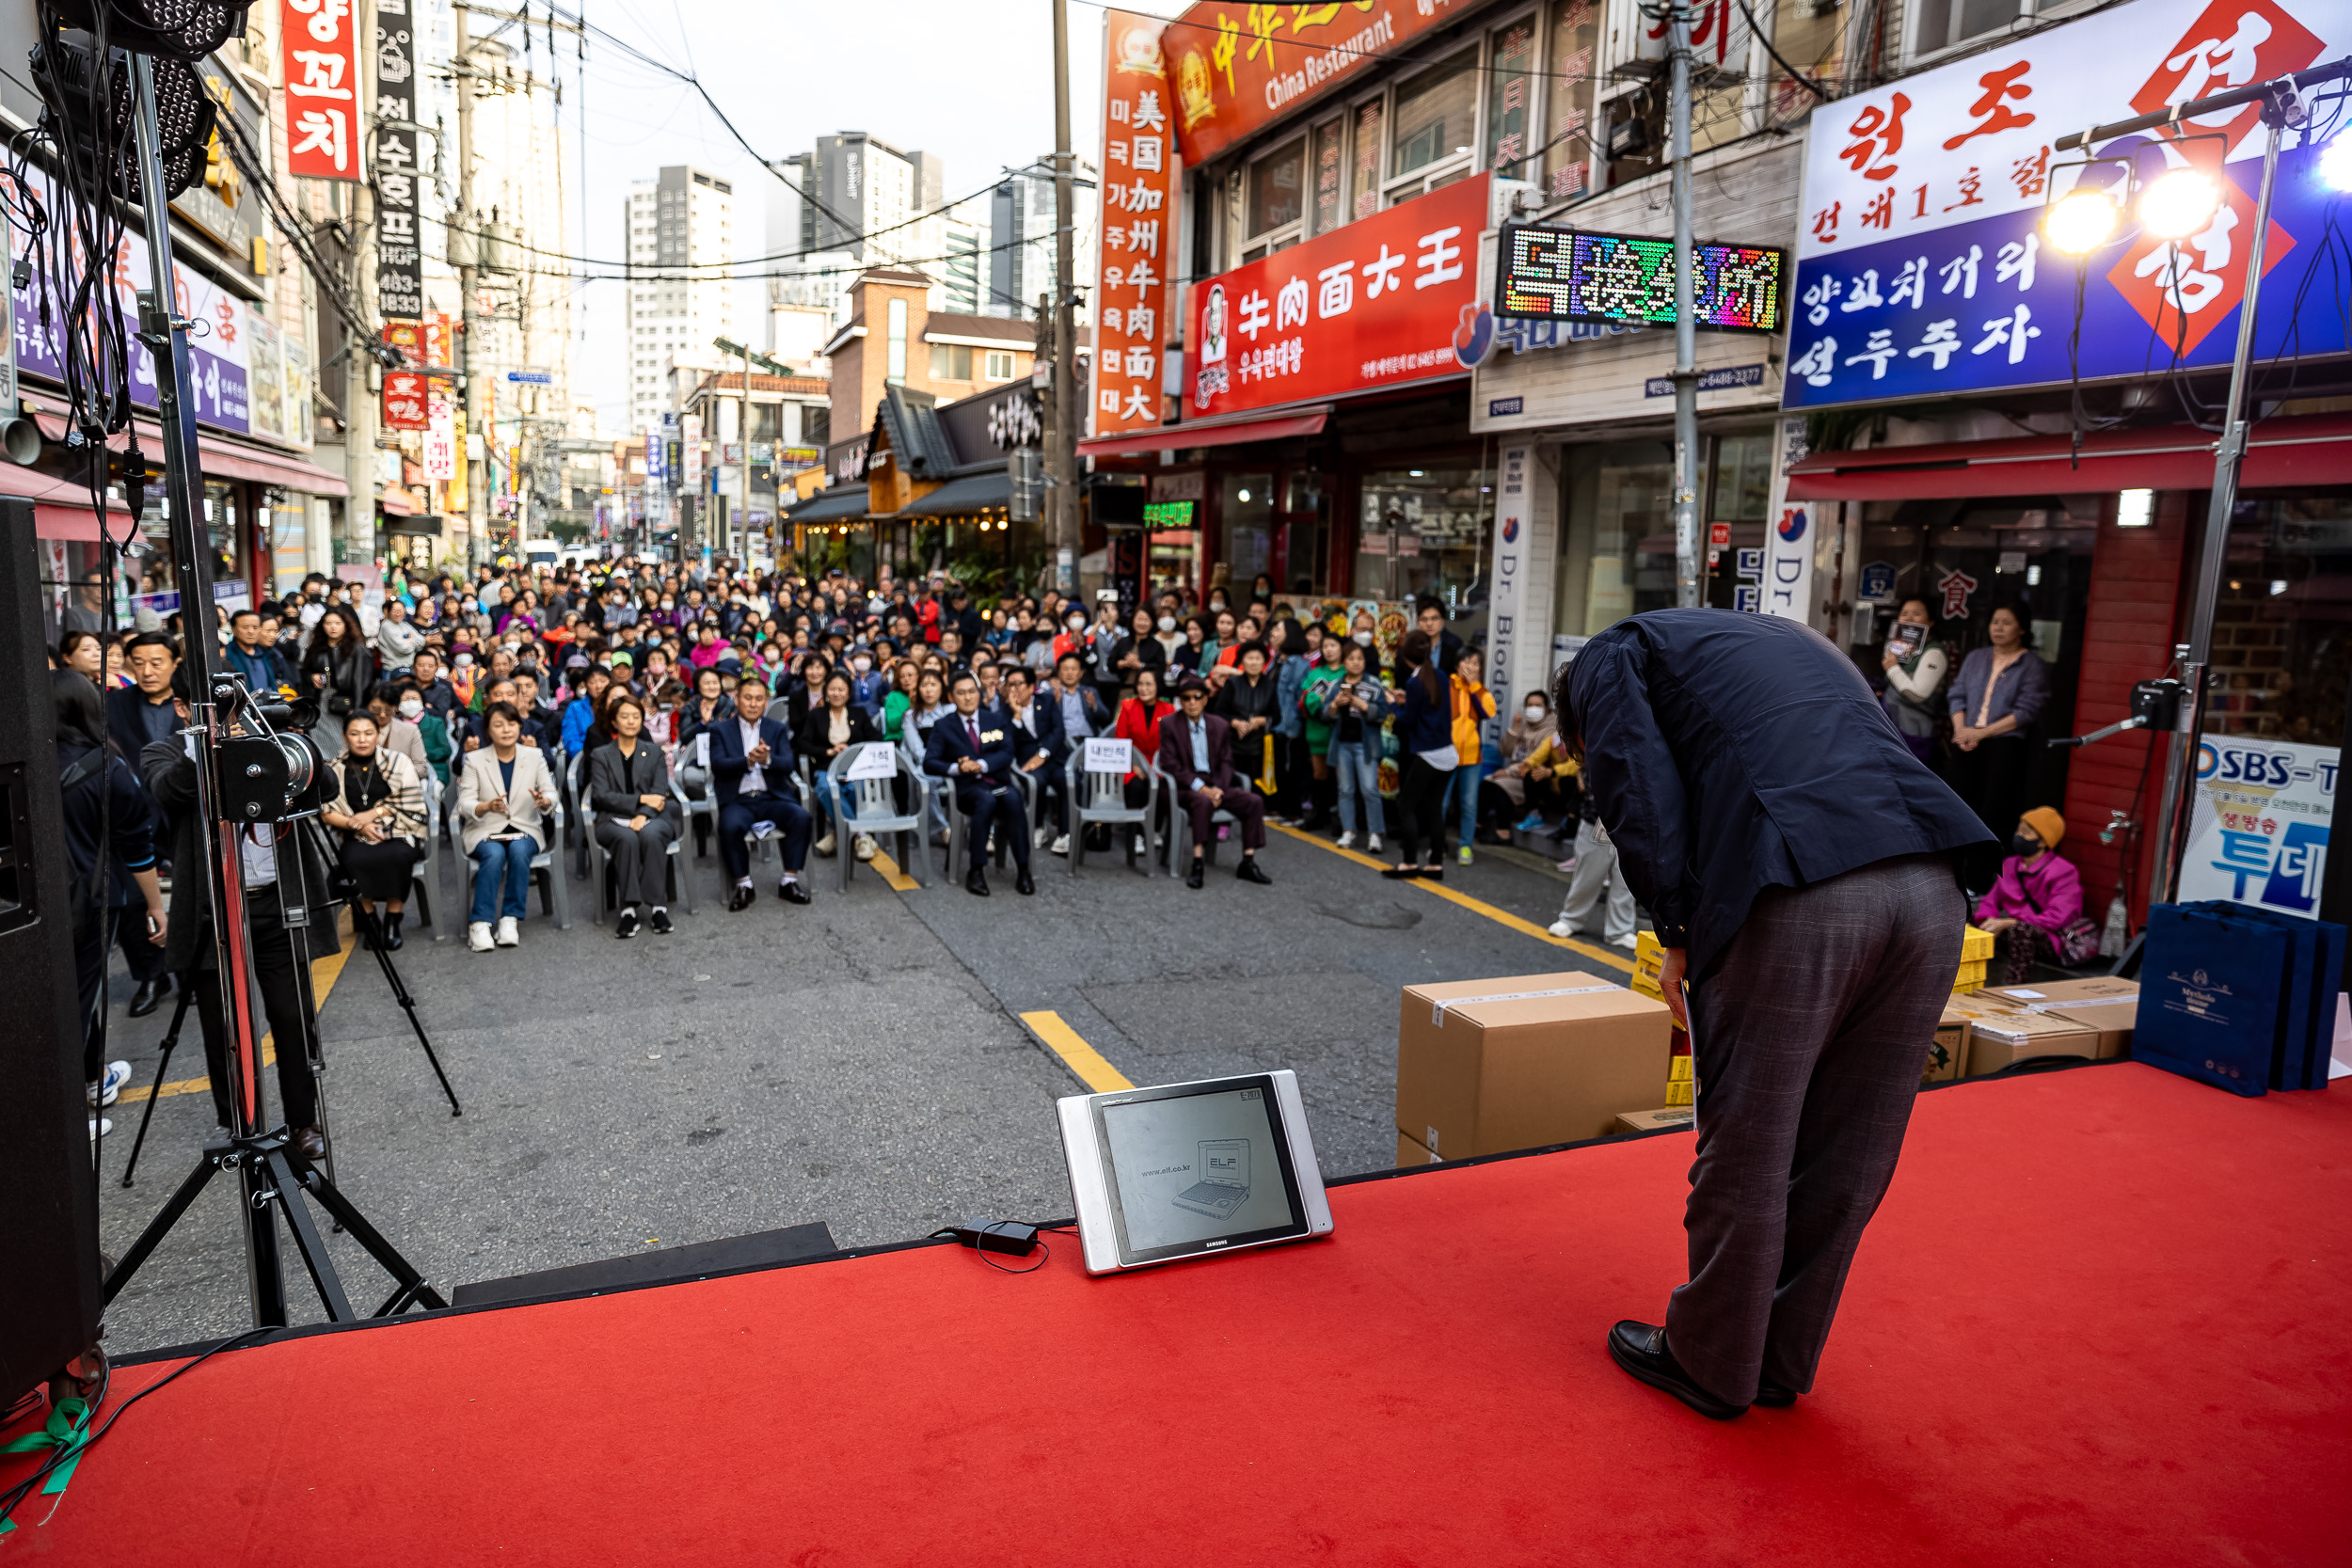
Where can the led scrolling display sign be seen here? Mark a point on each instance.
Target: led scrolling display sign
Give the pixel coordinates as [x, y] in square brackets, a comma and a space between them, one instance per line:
[1573, 274]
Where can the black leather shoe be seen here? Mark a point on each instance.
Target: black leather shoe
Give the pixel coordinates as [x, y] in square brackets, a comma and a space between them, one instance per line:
[311, 1144]
[1199, 874]
[1022, 884]
[741, 899]
[149, 995]
[1641, 1350]
[661, 922]
[1773, 1396]
[625, 927]
[393, 940]
[977, 882]
[792, 893]
[1250, 871]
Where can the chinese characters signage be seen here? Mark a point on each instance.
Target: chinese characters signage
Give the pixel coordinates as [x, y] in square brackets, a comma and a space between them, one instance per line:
[1570, 275]
[1237, 65]
[399, 256]
[407, 401]
[1921, 268]
[2260, 831]
[321, 46]
[1389, 299]
[1139, 226]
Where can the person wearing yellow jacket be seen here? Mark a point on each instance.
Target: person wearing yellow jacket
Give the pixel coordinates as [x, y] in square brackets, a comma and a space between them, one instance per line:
[1474, 705]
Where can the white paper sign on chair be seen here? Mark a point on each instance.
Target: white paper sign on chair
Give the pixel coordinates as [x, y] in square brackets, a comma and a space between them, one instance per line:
[874, 761]
[1109, 756]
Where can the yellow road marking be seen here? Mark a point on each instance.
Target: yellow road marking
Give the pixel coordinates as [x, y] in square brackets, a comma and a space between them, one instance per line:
[324, 973]
[890, 874]
[1080, 1058]
[1503, 917]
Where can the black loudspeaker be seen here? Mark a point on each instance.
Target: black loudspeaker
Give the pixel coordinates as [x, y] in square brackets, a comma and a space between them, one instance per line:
[49, 1269]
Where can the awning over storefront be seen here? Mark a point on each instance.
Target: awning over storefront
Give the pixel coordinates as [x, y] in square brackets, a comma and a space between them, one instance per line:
[2302, 451]
[395, 503]
[61, 509]
[1208, 433]
[962, 498]
[225, 458]
[832, 506]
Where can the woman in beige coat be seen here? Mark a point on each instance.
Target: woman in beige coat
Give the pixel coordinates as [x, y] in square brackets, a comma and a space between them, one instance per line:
[506, 794]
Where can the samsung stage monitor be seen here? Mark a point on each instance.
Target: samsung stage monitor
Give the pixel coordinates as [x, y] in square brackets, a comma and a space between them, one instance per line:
[1188, 1169]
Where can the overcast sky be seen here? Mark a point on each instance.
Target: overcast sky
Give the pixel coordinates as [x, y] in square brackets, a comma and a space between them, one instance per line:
[972, 80]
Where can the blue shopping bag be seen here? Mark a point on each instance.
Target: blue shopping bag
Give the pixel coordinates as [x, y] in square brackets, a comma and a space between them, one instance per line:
[2213, 995]
[2315, 975]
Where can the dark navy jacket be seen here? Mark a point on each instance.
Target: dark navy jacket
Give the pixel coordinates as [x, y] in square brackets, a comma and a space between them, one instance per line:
[949, 745]
[729, 764]
[1728, 753]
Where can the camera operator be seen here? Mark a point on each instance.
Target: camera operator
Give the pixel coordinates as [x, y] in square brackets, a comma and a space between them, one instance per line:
[168, 768]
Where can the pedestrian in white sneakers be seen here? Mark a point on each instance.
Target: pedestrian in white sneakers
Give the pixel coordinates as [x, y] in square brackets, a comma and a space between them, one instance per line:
[504, 796]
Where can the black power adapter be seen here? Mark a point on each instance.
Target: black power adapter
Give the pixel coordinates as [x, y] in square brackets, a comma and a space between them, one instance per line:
[1005, 1236]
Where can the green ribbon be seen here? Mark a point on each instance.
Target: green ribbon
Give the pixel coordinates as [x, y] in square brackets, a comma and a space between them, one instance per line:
[68, 1431]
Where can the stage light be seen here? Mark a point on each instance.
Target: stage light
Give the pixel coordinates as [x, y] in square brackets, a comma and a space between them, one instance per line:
[2179, 205]
[2081, 221]
[2335, 163]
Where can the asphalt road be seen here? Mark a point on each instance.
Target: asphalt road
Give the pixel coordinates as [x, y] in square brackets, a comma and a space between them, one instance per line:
[862, 1061]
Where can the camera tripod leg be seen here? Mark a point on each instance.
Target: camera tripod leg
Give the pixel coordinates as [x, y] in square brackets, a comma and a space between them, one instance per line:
[161, 1224]
[307, 1239]
[368, 931]
[162, 1065]
[413, 1285]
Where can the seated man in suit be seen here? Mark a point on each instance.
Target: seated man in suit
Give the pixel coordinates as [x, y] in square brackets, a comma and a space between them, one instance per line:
[974, 750]
[1196, 752]
[751, 760]
[1039, 750]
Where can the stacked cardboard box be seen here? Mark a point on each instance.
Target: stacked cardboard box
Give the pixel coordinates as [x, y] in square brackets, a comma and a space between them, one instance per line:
[2091, 1018]
[1488, 1066]
[1652, 1121]
[1975, 961]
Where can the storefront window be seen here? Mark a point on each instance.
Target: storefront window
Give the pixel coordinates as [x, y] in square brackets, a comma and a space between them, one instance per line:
[1511, 100]
[1331, 178]
[1248, 516]
[1174, 536]
[1618, 553]
[2283, 622]
[1434, 114]
[1423, 532]
[1575, 37]
[1739, 489]
[1276, 186]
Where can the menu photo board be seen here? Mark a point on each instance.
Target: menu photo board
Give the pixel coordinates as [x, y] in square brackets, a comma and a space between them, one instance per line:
[1573, 274]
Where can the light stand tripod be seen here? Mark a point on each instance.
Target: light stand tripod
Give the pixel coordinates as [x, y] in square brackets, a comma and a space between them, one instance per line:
[271, 1173]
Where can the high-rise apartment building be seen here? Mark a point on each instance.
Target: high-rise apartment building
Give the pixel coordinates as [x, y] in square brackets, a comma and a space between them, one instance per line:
[1022, 218]
[853, 202]
[683, 219]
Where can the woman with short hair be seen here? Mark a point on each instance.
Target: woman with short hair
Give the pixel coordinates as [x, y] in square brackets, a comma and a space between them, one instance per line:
[378, 817]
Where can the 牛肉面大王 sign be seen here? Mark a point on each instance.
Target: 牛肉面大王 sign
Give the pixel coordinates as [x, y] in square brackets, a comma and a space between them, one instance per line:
[1388, 299]
[1921, 270]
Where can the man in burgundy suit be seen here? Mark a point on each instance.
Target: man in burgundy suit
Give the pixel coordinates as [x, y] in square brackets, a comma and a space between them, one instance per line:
[1197, 754]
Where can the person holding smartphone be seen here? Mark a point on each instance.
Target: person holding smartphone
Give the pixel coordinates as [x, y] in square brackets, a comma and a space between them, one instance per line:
[1915, 673]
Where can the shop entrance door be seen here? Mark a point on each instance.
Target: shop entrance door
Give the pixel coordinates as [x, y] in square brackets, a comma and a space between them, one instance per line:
[1303, 534]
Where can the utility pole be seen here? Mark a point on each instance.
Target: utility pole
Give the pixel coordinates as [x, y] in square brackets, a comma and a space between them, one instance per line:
[1686, 374]
[1064, 451]
[743, 462]
[468, 247]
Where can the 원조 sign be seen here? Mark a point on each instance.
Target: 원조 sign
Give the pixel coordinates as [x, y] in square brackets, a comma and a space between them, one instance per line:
[1921, 271]
[1572, 275]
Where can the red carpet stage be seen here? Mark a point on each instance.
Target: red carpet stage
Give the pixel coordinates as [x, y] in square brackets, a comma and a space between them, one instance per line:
[2103, 1319]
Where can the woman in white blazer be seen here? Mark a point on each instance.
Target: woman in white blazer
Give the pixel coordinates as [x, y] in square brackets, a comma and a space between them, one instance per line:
[504, 796]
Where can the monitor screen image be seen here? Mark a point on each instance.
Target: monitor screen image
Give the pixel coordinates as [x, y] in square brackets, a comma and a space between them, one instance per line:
[1574, 274]
[1197, 1166]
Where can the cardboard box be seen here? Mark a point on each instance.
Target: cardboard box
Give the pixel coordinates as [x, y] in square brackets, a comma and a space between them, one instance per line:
[1672, 1117]
[1412, 1152]
[2102, 1003]
[1999, 1038]
[1488, 1066]
[1947, 1053]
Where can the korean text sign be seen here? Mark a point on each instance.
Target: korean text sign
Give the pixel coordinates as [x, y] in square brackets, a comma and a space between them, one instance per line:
[320, 47]
[399, 250]
[1138, 225]
[1386, 300]
[1237, 65]
[1920, 267]
[2259, 831]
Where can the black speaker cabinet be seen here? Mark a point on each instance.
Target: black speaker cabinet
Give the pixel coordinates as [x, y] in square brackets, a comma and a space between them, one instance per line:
[48, 1203]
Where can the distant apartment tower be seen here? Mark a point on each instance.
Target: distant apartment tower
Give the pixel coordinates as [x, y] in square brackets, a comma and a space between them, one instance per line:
[855, 202]
[685, 219]
[1021, 217]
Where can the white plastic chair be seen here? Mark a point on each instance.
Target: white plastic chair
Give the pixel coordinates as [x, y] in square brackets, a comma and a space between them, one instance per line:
[1099, 797]
[869, 806]
[425, 878]
[701, 800]
[555, 899]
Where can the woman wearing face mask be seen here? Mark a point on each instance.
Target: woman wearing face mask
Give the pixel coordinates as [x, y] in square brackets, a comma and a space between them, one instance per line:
[396, 731]
[378, 817]
[2035, 904]
[1517, 796]
[1995, 701]
[1170, 634]
[1915, 673]
[1321, 791]
[432, 729]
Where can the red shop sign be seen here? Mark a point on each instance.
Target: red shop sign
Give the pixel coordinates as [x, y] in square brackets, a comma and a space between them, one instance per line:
[321, 64]
[406, 406]
[1387, 300]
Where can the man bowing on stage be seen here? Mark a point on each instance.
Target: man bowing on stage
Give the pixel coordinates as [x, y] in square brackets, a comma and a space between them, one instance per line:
[1798, 860]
